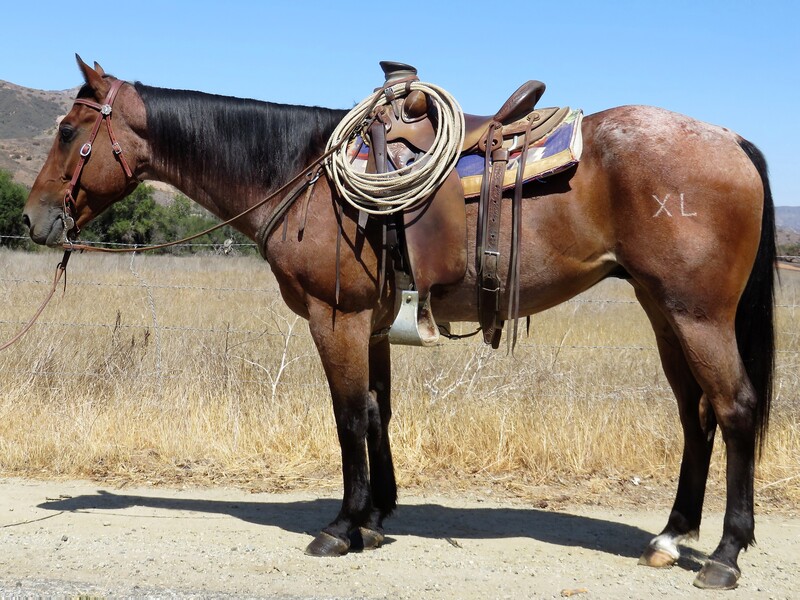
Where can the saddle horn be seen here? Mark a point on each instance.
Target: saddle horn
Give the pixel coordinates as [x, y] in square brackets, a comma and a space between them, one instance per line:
[395, 71]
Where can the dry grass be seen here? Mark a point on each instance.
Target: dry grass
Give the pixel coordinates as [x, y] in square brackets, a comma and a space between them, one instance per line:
[170, 370]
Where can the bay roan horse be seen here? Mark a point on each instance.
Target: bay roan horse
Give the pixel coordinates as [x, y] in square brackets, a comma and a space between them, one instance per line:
[679, 208]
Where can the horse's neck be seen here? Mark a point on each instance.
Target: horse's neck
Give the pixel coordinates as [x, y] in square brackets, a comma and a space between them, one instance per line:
[227, 154]
[224, 199]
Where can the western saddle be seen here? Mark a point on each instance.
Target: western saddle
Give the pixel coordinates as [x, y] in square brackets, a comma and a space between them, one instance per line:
[402, 131]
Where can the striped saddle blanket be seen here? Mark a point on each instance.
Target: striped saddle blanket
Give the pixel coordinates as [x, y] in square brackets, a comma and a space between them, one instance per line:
[559, 149]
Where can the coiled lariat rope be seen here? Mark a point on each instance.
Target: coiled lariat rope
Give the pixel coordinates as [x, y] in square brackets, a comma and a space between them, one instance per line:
[386, 193]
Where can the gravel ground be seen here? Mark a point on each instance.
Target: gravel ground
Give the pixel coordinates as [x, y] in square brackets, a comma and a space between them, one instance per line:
[72, 539]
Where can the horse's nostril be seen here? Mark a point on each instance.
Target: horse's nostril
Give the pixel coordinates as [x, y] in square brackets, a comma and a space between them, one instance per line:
[26, 220]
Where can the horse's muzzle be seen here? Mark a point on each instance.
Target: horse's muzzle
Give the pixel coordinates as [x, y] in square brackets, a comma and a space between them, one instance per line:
[48, 230]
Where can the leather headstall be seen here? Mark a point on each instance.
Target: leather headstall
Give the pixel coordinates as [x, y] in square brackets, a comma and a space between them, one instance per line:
[103, 114]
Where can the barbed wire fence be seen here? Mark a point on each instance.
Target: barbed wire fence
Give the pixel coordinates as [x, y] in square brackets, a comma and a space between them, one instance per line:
[157, 325]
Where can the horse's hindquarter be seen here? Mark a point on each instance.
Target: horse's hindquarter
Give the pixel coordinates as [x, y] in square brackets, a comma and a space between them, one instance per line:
[685, 200]
[662, 196]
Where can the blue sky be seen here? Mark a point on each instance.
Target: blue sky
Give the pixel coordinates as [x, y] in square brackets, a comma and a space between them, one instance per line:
[731, 63]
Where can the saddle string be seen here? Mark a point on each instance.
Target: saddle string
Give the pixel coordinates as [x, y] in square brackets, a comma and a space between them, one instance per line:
[516, 234]
[386, 193]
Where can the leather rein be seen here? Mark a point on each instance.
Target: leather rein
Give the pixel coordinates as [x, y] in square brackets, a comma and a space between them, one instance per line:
[304, 179]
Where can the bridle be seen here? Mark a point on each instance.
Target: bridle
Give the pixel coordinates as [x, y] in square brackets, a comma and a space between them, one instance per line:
[104, 114]
[304, 180]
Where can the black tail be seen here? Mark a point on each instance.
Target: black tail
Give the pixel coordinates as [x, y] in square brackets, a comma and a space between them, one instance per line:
[755, 326]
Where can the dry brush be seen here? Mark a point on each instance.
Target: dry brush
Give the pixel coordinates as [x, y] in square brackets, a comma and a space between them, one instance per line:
[162, 369]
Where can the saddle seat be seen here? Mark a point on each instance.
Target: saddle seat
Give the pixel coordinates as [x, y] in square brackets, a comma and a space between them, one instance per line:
[520, 104]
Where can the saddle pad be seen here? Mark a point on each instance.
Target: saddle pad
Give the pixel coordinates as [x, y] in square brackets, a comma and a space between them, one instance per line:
[555, 152]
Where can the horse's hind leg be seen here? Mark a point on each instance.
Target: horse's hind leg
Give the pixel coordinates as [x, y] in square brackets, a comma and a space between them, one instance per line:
[718, 366]
[381, 468]
[699, 427]
[709, 344]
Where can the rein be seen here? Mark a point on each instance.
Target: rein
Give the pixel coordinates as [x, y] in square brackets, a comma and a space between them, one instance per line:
[305, 178]
[61, 270]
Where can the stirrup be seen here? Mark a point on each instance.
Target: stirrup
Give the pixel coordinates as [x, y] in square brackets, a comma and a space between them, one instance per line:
[414, 324]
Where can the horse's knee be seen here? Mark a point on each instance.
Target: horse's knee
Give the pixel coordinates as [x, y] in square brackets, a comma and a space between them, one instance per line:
[352, 420]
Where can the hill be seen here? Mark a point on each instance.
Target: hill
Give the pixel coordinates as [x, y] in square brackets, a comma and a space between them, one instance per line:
[788, 217]
[28, 120]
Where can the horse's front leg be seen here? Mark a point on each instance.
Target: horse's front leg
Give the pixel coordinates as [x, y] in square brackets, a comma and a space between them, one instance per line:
[342, 341]
[381, 467]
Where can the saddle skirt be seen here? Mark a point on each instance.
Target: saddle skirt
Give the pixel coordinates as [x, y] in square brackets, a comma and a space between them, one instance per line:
[556, 145]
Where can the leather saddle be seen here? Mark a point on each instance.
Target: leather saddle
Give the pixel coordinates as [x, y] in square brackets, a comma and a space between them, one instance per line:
[428, 242]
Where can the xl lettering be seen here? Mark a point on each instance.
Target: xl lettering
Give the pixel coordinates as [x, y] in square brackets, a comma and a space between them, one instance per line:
[662, 207]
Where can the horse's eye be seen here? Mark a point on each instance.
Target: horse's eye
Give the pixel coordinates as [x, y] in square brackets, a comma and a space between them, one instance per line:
[66, 133]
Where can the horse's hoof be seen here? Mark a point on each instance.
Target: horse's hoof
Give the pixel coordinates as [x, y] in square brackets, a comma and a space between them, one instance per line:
[657, 557]
[363, 538]
[372, 539]
[327, 545]
[717, 576]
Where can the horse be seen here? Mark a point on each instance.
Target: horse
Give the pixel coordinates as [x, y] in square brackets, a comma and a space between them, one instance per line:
[658, 199]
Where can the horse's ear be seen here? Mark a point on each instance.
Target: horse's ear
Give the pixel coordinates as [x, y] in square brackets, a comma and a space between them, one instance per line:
[94, 79]
[99, 69]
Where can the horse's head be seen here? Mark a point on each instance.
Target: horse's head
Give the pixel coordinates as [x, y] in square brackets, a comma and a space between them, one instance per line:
[94, 160]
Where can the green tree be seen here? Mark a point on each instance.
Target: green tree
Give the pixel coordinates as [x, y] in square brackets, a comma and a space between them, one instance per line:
[182, 218]
[130, 221]
[12, 201]
[138, 219]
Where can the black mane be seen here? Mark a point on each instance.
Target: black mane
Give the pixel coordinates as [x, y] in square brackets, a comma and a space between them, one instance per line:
[243, 142]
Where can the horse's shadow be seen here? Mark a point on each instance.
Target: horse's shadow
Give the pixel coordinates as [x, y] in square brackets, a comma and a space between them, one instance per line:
[425, 520]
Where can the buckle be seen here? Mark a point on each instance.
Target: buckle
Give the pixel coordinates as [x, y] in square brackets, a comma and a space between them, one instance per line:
[86, 149]
[116, 148]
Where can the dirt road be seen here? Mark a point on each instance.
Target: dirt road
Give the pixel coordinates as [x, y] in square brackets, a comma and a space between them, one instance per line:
[79, 538]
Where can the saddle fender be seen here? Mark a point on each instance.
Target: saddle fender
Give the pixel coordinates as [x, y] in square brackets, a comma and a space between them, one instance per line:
[436, 237]
[436, 230]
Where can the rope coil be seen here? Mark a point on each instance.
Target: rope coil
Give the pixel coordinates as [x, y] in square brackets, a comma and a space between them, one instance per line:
[386, 193]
